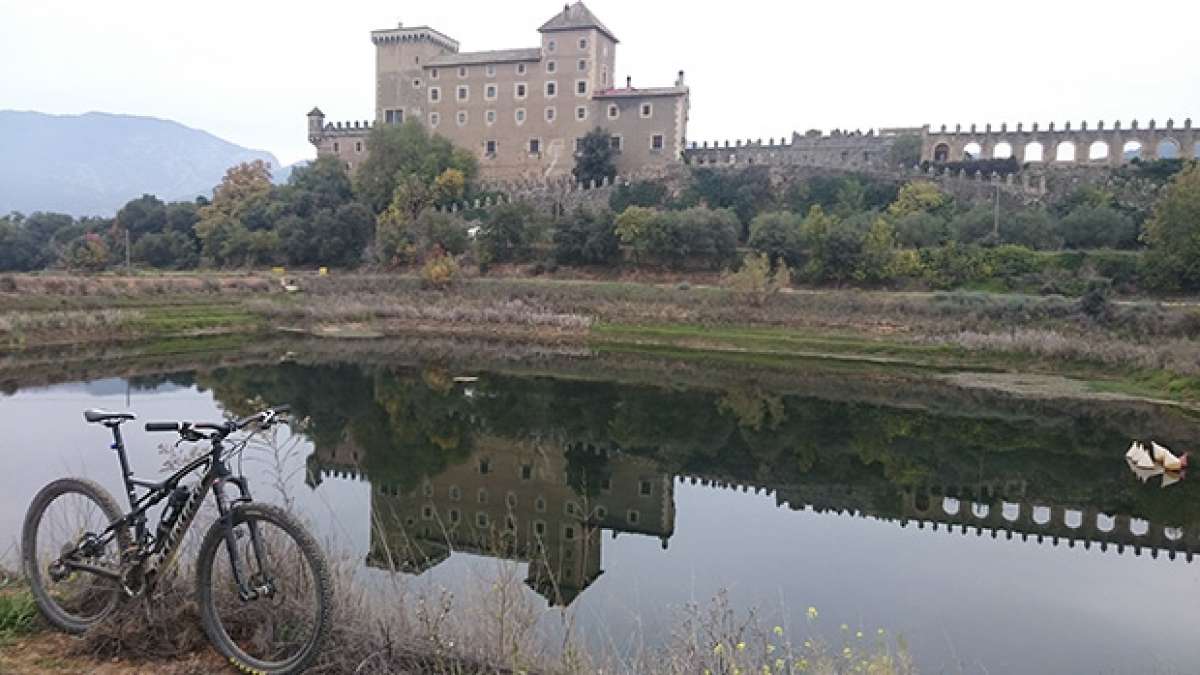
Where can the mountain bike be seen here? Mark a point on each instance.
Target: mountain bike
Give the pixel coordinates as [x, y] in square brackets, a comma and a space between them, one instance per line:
[262, 583]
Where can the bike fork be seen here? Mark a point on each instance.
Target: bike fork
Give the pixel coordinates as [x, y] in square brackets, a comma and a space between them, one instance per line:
[258, 584]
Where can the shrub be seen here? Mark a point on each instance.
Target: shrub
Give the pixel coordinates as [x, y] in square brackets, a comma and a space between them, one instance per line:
[1089, 226]
[88, 253]
[510, 233]
[438, 231]
[756, 282]
[777, 235]
[922, 230]
[586, 237]
[675, 237]
[167, 250]
[439, 272]
[1173, 234]
[638, 193]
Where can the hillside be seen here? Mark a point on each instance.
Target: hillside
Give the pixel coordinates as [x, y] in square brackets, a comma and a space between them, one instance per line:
[92, 164]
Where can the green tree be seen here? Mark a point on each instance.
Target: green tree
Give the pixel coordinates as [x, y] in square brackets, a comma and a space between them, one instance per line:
[166, 250]
[317, 219]
[877, 261]
[139, 217]
[919, 195]
[638, 193]
[395, 152]
[746, 191]
[586, 237]
[596, 159]
[922, 229]
[231, 228]
[1095, 226]
[778, 235]
[756, 281]
[1173, 234]
[87, 253]
[510, 233]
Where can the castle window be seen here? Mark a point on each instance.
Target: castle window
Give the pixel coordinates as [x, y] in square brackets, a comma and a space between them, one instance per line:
[510, 500]
[569, 508]
[358, 146]
[481, 496]
[583, 43]
[613, 112]
[604, 76]
[581, 113]
[454, 516]
[393, 116]
[461, 117]
[582, 65]
[633, 517]
[433, 73]
[539, 504]
[427, 512]
[485, 467]
[417, 83]
[520, 89]
[491, 117]
[490, 69]
[455, 493]
[526, 472]
[539, 528]
[581, 87]
[647, 110]
[569, 533]
[490, 148]
[551, 89]
[435, 94]
[335, 146]
[535, 146]
[551, 66]
[551, 45]
[519, 114]
[645, 487]
[489, 92]
[615, 143]
[550, 114]
[427, 489]
[462, 71]
[656, 142]
[434, 119]
[520, 68]
[481, 520]
[601, 512]
[464, 92]
[578, 145]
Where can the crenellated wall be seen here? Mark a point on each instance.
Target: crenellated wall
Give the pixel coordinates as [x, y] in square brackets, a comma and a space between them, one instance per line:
[1099, 144]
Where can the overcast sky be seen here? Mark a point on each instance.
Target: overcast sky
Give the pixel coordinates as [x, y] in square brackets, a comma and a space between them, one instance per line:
[248, 71]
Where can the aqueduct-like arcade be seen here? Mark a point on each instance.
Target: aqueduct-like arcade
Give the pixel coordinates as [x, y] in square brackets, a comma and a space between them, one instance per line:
[1098, 145]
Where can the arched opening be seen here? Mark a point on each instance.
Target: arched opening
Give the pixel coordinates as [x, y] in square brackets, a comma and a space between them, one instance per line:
[1168, 148]
[1033, 152]
[972, 150]
[1173, 533]
[950, 506]
[1105, 522]
[980, 510]
[1041, 514]
[1131, 150]
[1073, 518]
[1010, 511]
[1002, 150]
[1065, 152]
[941, 152]
[1099, 150]
[1138, 527]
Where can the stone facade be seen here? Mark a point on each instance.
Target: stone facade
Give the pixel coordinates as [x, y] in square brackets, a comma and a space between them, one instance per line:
[1098, 145]
[521, 111]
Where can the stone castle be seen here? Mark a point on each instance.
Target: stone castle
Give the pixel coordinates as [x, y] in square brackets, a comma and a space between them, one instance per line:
[524, 111]
[521, 111]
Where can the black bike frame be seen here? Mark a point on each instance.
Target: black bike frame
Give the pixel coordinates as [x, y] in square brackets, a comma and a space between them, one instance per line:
[216, 475]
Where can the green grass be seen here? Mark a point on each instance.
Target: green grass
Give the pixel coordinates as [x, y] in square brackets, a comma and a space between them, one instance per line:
[18, 614]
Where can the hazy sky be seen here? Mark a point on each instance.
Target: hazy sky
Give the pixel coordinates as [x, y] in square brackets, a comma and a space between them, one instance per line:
[248, 71]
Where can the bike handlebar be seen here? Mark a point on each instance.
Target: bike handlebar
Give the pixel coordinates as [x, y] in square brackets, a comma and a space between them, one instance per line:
[189, 430]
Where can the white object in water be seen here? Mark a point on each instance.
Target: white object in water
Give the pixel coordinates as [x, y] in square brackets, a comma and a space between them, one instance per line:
[1164, 456]
[1139, 456]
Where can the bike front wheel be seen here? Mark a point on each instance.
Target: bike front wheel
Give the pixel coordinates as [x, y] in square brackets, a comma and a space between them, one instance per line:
[278, 619]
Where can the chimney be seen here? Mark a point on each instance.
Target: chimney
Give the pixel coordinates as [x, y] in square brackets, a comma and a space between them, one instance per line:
[679, 80]
[629, 82]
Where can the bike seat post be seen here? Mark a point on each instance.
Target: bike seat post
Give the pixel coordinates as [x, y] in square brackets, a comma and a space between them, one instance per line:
[126, 474]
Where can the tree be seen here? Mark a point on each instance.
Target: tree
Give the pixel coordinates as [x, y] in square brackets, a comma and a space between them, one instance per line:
[596, 159]
[638, 193]
[1034, 228]
[919, 195]
[778, 235]
[87, 253]
[139, 217]
[586, 237]
[1173, 234]
[238, 207]
[747, 191]
[1092, 226]
[166, 250]
[922, 230]
[756, 281]
[877, 261]
[510, 233]
[395, 152]
[317, 218]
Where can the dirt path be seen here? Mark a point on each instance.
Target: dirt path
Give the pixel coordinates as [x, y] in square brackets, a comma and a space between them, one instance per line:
[50, 653]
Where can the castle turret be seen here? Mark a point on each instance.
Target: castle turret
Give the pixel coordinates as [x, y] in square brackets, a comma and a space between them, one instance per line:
[316, 124]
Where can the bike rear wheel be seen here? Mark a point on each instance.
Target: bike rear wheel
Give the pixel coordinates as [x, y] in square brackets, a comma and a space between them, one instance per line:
[62, 516]
[283, 629]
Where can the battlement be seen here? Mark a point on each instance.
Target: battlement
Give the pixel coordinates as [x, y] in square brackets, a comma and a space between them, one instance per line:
[1099, 144]
[400, 34]
[349, 128]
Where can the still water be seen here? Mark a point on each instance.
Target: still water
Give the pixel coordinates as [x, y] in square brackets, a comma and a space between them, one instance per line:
[996, 535]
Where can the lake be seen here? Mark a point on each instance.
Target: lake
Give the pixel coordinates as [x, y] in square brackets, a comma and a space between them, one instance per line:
[995, 533]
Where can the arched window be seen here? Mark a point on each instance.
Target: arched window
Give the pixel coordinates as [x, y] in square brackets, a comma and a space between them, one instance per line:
[1034, 152]
[1065, 152]
[1138, 527]
[1002, 150]
[1168, 148]
[1131, 150]
[1098, 150]
[1010, 511]
[1041, 514]
[941, 152]
[950, 506]
[1073, 518]
[972, 150]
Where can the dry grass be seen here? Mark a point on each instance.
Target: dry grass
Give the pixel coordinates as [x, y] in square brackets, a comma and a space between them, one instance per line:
[69, 320]
[1172, 355]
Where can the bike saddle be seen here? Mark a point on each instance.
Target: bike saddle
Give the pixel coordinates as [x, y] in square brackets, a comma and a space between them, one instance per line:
[97, 416]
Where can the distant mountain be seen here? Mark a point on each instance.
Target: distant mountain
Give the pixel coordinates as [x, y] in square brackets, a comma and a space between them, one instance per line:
[92, 164]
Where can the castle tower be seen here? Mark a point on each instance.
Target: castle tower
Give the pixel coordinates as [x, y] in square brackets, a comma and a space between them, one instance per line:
[316, 125]
[401, 55]
[575, 37]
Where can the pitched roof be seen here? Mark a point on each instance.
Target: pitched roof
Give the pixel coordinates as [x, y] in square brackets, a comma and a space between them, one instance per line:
[575, 17]
[494, 56]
